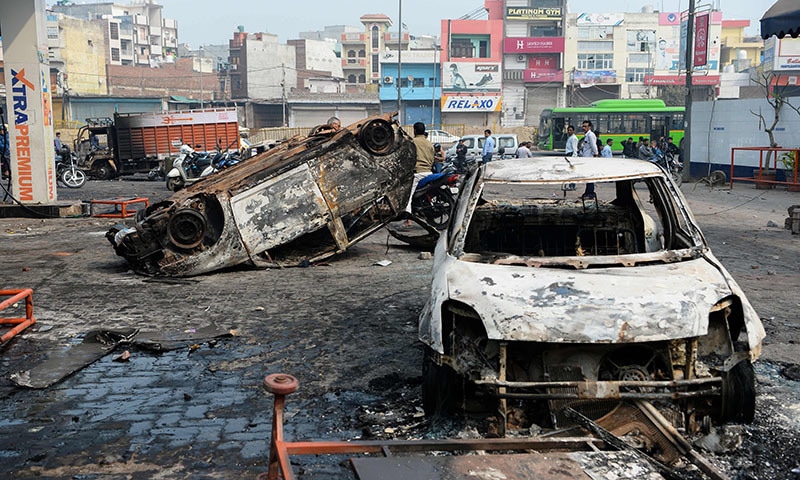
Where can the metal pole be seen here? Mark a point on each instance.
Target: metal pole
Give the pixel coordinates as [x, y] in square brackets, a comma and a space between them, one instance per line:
[433, 94]
[687, 118]
[399, 59]
[201, 77]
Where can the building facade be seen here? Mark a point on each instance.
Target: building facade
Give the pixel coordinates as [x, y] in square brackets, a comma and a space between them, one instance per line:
[415, 82]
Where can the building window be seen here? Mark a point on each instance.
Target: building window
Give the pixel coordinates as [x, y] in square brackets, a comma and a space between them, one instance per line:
[595, 33]
[595, 46]
[636, 75]
[362, 78]
[362, 53]
[351, 78]
[114, 31]
[418, 82]
[462, 48]
[375, 64]
[115, 54]
[639, 58]
[595, 61]
[551, 30]
[376, 37]
[351, 54]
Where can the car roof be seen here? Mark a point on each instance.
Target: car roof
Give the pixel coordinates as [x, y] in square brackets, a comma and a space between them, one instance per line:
[567, 169]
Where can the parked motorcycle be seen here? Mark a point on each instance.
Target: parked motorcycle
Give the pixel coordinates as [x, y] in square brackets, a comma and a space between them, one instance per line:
[434, 198]
[671, 164]
[67, 170]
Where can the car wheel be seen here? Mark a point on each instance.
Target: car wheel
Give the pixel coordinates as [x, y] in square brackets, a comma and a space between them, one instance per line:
[377, 137]
[739, 394]
[442, 389]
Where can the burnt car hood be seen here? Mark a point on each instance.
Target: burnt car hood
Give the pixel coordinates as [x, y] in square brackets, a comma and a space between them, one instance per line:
[598, 305]
[305, 200]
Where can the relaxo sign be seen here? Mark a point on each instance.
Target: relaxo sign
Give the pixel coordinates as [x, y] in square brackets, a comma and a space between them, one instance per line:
[469, 103]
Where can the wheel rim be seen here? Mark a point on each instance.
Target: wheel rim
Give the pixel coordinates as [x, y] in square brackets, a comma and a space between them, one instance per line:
[377, 137]
[73, 178]
[186, 228]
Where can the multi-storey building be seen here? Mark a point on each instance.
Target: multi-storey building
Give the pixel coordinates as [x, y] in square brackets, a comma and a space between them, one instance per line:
[533, 48]
[137, 33]
[415, 82]
[472, 77]
[361, 51]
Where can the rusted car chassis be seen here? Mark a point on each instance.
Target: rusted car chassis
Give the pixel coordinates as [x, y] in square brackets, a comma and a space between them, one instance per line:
[302, 201]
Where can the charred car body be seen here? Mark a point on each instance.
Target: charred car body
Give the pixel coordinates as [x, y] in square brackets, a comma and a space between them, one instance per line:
[543, 297]
[302, 201]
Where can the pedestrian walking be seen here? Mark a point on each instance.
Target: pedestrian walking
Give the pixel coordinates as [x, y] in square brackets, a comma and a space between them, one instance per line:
[524, 151]
[606, 152]
[571, 149]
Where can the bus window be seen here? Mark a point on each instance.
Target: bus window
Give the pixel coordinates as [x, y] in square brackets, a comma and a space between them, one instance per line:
[545, 124]
[636, 124]
[559, 132]
[602, 124]
[677, 121]
[616, 124]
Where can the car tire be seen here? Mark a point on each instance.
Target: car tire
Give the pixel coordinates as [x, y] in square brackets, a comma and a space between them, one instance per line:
[442, 388]
[738, 402]
[104, 171]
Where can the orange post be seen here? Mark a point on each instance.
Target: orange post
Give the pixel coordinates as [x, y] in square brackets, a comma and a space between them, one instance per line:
[19, 324]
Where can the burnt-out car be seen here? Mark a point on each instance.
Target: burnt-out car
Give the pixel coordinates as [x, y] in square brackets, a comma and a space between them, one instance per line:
[302, 201]
[544, 297]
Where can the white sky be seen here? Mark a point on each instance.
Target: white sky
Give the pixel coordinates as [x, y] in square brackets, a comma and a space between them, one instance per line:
[214, 21]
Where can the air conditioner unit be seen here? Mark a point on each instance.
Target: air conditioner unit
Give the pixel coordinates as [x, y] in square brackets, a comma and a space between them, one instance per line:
[388, 79]
[520, 58]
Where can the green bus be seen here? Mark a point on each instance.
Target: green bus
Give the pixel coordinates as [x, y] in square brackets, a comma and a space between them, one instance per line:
[615, 119]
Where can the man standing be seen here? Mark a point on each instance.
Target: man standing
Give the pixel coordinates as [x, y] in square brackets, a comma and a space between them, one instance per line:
[572, 142]
[588, 149]
[461, 156]
[606, 152]
[424, 165]
[524, 150]
[628, 149]
[488, 146]
[57, 143]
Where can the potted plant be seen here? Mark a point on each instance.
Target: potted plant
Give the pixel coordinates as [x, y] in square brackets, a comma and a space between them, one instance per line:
[788, 161]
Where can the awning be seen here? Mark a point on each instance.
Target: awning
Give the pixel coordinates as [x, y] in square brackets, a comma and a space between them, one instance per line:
[783, 18]
[181, 99]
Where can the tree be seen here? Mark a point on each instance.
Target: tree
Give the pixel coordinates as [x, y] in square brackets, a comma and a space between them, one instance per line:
[776, 99]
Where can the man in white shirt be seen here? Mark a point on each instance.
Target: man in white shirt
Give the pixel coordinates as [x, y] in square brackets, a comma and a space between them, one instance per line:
[524, 151]
[588, 149]
[572, 143]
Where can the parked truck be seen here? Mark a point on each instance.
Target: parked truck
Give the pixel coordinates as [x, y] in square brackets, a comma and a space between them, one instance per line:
[141, 142]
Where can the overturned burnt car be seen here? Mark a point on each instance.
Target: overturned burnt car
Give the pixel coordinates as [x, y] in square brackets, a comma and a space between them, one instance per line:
[547, 295]
[302, 201]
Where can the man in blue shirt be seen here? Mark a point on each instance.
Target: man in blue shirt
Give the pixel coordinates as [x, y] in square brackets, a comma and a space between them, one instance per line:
[488, 146]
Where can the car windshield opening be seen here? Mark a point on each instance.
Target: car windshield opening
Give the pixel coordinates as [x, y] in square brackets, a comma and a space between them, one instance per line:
[624, 217]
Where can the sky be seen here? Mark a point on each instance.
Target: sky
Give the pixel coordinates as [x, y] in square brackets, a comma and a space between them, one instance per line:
[204, 22]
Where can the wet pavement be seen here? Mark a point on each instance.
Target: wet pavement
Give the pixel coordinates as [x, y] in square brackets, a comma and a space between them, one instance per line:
[346, 328]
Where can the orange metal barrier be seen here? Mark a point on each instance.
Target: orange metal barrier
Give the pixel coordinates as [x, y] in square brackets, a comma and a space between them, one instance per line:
[120, 206]
[20, 324]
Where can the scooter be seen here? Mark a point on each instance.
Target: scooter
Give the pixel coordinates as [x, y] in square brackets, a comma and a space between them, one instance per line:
[189, 167]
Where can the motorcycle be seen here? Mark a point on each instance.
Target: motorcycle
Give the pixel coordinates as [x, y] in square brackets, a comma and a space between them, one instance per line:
[68, 172]
[670, 164]
[434, 198]
[187, 168]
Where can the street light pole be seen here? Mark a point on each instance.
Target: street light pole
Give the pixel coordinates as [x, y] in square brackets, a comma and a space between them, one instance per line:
[399, 59]
[201, 77]
[687, 118]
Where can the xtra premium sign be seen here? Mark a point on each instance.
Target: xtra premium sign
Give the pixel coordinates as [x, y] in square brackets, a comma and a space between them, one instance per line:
[680, 80]
[701, 40]
[471, 103]
[527, 13]
[534, 45]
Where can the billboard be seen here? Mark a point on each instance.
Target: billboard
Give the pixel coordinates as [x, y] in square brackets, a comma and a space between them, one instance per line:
[701, 40]
[484, 76]
[527, 13]
[600, 19]
[533, 75]
[533, 45]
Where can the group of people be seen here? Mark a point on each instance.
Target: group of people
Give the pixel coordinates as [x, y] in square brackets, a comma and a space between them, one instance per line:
[646, 149]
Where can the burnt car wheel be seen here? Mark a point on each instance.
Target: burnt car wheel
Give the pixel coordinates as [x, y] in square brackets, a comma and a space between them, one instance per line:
[187, 228]
[442, 389]
[103, 171]
[377, 137]
[739, 394]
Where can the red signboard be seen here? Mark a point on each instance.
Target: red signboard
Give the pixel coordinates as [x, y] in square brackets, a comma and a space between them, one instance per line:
[542, 76]
[681, 80]
[544, 61]
[533, 45]
[700, 40]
